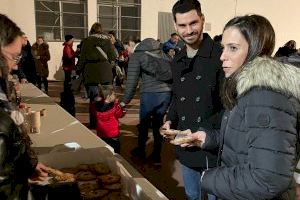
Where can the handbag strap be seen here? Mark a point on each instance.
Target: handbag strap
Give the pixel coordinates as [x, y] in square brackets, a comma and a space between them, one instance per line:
[102, 52]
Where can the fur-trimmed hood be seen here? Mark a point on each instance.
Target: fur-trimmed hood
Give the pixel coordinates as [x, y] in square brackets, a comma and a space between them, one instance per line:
[269, 73]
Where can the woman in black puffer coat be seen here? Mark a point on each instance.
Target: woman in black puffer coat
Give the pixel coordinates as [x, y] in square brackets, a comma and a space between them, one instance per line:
[260, 128]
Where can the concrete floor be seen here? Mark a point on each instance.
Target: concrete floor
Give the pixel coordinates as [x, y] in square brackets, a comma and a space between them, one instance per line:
[167, 177]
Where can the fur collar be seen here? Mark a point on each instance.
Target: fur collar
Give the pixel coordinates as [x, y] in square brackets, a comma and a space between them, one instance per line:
[266, 72]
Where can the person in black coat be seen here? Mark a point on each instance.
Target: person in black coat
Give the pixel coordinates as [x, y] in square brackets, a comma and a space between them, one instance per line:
[196, 102]
[260, 128]
[288, 49]
[26, 64]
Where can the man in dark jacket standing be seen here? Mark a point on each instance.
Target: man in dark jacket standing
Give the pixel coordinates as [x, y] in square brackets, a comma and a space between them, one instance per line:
[196, 104]
[26, 67]
[154, 100]
[96, 57]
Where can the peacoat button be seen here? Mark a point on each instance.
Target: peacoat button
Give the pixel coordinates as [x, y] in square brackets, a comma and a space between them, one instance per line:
[182, 99]
[198, 77]
[182, 79]
[199, 119]
[197, 99]
[182, 118]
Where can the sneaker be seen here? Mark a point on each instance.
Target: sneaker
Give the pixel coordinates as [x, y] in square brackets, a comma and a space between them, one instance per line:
[154, 159]
[138, 153]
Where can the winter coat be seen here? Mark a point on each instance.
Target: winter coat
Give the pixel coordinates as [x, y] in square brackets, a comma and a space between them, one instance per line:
[17, 161]
[140, 60]
[196, 99]
[108, 123]
[41, 64]
[258, 136]
[68, 59]
[27, 65]
[93, 64]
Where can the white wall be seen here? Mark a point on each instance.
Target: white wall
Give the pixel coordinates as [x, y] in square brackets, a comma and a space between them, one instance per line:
[282, 15]
[149, 16]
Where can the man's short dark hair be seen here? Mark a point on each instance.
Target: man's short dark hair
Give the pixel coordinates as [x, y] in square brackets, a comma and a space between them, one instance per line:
[183, 6]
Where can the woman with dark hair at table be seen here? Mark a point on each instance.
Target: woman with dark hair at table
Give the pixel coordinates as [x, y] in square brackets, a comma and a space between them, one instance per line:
[17, 161]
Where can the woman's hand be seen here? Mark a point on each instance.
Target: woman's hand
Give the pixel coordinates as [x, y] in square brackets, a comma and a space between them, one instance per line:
[196, 139]
[40, 173]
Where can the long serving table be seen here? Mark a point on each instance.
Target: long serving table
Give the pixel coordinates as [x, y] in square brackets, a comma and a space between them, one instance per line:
[58, 128]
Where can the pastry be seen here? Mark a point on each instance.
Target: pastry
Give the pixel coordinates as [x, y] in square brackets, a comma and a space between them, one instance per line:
[85, 176]
[87, 187]
[59, 176]
[115, 186]
[83, 167]
[181, 140]
[116, 196]
[100, 168]
[95, 194]
[109, 179]
[71, 170]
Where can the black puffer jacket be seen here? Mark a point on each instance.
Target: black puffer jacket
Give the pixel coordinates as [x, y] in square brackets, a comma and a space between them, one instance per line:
[258, 136]
[17, 160]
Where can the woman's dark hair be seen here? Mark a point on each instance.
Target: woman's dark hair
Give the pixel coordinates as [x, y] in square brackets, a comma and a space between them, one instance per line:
[9, 31]
[260, 36]
[291, 44]
[96, 28]
[183, 6]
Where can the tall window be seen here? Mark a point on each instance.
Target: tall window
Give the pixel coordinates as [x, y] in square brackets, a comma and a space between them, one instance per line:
[121, 16]
[56, 18]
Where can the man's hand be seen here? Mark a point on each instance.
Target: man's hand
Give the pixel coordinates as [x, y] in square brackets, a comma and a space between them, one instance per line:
[165, 130]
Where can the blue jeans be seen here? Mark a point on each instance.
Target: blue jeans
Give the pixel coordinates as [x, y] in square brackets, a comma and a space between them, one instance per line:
[92, 92]
[153, 107]
[192, 184]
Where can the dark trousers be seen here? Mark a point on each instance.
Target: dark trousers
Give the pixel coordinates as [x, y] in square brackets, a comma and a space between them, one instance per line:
[92, 92]
[67, 77]
[114, 143]
[153, 107]
[40, 80]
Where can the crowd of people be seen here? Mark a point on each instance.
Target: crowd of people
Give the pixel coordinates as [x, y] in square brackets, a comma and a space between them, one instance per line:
[238, 106]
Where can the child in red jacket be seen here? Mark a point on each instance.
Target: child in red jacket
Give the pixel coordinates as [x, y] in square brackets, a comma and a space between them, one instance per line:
[108, 111]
